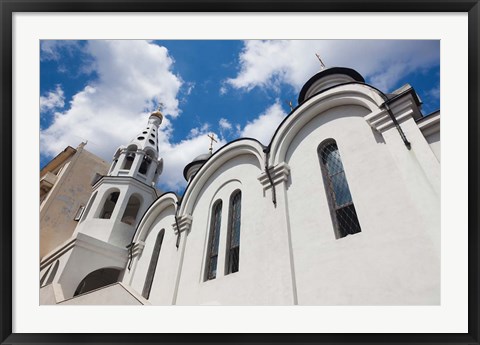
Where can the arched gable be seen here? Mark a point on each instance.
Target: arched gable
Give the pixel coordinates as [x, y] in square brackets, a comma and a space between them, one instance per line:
[349, 94]
[164, 202]
[244, 146]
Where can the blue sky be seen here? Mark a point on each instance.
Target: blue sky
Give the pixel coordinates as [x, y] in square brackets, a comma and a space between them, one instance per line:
[103, 91]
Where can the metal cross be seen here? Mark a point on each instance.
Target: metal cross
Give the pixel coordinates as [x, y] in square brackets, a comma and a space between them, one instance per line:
[322, 65]
[290, 105]
[212, 139]
[160, 106]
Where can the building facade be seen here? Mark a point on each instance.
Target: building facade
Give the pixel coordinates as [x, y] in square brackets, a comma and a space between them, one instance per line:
[341, 208]
[65, 187]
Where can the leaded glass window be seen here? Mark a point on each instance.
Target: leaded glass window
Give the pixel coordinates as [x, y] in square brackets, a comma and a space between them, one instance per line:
[233, 254]
[153, 264]
[343, 212]
[214, 241]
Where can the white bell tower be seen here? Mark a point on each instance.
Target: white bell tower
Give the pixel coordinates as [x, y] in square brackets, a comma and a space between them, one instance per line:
[98, 252]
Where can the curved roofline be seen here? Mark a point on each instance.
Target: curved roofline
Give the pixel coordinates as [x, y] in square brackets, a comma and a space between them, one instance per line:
[175, 196]
[190, 184]
[316, 94]
[330, 71]
[188, 166]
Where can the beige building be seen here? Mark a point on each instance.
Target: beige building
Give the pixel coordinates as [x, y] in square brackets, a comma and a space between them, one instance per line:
[65, 186]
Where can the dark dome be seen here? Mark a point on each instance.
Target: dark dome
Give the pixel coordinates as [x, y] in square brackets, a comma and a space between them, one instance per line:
[326, 79]
[192, 167]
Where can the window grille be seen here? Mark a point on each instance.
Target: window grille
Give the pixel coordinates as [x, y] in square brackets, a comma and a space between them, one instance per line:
[344, 215]
[214, 241]
[233, 254]
[147, 287]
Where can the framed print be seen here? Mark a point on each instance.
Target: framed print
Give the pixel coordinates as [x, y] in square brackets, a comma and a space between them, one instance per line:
[239, 172]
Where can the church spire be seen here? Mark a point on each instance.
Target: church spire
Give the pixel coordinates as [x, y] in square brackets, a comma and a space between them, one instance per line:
[140, 159]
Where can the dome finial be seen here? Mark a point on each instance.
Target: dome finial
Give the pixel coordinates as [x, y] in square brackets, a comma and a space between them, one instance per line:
[158, 112]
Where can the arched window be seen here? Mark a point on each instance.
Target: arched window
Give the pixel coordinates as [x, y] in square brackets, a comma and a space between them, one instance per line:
[131, 211]
[130, 157]
[342, 210]
[213, 241]
[109, 205]
[153, 265]
[53, 273]
[89, 206]
[97, 279]
[145, 164]
[233, 239]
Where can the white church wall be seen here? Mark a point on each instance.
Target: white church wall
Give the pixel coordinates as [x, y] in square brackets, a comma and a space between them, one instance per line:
[434, 142]
[393, 260]
[263, 253]
[163, 286]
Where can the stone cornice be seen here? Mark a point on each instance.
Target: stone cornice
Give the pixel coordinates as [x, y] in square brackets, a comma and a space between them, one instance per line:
[278, 173]
[402, 109]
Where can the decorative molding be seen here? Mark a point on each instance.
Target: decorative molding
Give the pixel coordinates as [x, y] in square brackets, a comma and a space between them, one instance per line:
[403, 110]
[278, 173]
[184, 222]
[137, 249]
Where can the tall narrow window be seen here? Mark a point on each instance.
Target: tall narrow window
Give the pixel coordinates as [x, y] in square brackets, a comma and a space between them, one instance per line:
[145, 164]
[343, 212]
[130, 157]
[233, 248]
[153, 265]
[214, 239]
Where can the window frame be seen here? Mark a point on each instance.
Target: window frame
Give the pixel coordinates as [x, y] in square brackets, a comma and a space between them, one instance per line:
[152, 266]
[331, 194]
[214, 237]
[231, 219]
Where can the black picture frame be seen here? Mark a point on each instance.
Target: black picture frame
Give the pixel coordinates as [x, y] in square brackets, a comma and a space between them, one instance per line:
[8, 7]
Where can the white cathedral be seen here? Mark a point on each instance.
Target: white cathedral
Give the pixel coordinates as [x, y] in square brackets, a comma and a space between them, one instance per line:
[341, 208]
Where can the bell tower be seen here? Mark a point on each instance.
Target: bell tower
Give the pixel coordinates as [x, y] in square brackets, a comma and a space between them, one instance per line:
[98, 250]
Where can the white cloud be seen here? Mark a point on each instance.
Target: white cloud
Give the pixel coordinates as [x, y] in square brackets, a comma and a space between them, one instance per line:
[52, 100]
[224, 124]
[196, 131]
[435, 92]
[51, 49]
[177, 156]
[269, 63]
[263, 127]
[132, 77]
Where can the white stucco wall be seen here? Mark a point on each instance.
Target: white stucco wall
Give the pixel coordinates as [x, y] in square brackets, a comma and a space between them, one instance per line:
[393, 260]
[264, 275]
[434, 142]
[163, 287]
